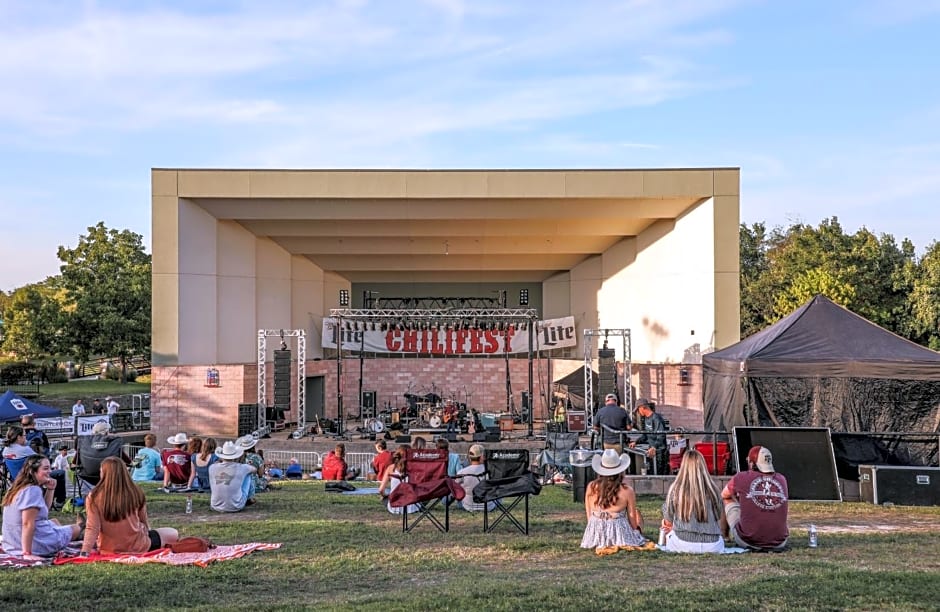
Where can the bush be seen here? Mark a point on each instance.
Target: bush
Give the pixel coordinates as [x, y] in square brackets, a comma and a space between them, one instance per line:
[19, 372]
[114, 373]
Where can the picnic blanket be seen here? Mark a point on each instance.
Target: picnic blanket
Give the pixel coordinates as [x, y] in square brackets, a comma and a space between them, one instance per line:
[164, 555]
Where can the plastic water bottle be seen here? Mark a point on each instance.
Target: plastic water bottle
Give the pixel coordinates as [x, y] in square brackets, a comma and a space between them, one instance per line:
[813, 537]
[189, 505]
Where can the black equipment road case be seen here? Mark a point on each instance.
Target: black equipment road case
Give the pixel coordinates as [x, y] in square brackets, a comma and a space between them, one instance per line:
[901, 485]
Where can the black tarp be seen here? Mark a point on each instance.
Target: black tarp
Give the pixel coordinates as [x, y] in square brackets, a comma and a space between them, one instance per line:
[573, 385]
[824, 366]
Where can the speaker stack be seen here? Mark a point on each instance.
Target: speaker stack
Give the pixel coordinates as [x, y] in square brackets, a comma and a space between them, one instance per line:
[247, 419]
[607, 373]
[281, 385]
[368, 404]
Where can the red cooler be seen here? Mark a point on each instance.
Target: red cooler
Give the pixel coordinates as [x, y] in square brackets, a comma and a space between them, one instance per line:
[709, 449]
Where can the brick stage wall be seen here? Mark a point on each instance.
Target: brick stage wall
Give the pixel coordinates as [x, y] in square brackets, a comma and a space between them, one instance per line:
[180, 401]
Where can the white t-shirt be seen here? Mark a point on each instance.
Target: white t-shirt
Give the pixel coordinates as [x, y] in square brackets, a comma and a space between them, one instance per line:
[226, 479]
[61, 462]
[113, 407]
[471, 478]
[78, 409]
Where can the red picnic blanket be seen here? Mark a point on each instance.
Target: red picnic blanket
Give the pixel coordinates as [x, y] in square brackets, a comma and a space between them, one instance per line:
[164, 555]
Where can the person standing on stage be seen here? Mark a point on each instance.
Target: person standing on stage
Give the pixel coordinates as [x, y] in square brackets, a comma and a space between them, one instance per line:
[654, 428]
[615, 418]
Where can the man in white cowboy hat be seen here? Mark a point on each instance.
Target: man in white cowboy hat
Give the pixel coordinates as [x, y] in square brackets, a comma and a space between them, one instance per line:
[756, 504]
[230, 479]
[177, 464]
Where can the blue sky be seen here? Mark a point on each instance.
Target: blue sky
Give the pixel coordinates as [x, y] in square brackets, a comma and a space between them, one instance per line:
[829, 108]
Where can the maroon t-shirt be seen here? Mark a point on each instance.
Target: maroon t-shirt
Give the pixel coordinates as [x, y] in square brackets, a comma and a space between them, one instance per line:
[177, 464]
[764, 506]
[381, 461]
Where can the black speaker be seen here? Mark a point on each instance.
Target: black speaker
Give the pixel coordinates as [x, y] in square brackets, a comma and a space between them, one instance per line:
[368, 399]
[480, 437]
[403, 439]
[525, 400]
[491, 437]
[451, 437]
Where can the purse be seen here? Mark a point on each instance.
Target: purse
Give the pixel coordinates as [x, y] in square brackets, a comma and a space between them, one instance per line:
[192, 544]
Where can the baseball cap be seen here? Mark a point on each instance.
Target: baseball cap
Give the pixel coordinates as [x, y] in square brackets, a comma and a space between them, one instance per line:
[762, 458]
[610, 396]
[475, 451]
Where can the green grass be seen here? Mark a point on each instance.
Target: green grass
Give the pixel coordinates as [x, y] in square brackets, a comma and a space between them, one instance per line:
[347, 553]
[89, 389]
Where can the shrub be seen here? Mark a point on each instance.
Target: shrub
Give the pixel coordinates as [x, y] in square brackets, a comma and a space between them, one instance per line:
[114, 373]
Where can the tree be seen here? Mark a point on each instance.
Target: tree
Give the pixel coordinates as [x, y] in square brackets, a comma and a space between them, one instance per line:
[33, 320]
[925, 298]
[107, 280]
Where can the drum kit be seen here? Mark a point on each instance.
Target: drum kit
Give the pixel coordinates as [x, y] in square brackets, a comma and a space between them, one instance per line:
[429, 410]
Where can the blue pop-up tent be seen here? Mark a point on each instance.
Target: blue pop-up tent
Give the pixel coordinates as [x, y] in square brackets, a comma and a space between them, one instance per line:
[12, 407]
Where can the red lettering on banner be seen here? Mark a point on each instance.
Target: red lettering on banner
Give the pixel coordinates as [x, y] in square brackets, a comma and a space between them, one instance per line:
[510, 332]
[436, 348]
[449, 342]
[490, 342]
[476, 344]
[410, 341]
[461, 340]
[392, 342]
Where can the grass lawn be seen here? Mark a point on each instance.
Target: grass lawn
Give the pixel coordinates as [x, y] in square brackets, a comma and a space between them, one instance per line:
[90, 389]
[347, 552]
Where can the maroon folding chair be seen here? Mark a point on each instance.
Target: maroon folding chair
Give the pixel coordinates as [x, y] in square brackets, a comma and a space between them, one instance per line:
[425, 485]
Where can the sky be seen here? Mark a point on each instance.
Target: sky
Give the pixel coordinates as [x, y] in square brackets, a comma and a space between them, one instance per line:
[829, 108]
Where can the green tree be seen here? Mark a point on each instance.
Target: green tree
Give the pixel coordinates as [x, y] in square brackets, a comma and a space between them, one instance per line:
[871, 276]
[925, 298]
[107, 279]
[33, 320]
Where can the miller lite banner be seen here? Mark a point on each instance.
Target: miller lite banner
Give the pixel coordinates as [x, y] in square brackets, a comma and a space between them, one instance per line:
[549, 334]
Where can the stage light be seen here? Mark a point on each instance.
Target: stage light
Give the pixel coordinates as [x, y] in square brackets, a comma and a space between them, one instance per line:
[523, 297]
[344, 297]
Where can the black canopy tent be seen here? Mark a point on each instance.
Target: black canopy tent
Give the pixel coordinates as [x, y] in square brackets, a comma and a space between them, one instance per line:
[824, 366]
[573, 385]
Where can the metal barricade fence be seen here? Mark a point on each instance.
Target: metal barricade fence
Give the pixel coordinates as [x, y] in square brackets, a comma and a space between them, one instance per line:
[308, 460]
[363, 461]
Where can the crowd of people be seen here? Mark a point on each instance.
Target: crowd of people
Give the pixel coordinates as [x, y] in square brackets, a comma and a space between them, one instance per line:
[750, 512]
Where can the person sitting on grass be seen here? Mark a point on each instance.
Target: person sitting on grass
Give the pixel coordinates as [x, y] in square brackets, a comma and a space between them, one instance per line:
[693, 509]
[176, 463]
[230, 480]
[199, 476]
[335, 467]
[294, 470]
[117, 516]
[382, 459]
[254, 458]
[28, 531]
[613, 519]
[147, 464]
[756, 505]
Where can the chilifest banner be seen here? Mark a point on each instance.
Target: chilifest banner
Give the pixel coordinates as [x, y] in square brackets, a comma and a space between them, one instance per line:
[549, 334]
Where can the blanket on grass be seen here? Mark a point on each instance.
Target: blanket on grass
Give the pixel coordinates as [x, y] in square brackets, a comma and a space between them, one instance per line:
[164, 555]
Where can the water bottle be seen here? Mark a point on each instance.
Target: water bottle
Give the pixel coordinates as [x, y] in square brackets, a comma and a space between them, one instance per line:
[662, 537]
[189, 505]
[813, 537]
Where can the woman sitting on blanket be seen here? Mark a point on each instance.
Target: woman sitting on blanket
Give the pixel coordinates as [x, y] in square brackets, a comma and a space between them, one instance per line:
[27, 529]
[693, 509]
[117, 515]
[613, 519]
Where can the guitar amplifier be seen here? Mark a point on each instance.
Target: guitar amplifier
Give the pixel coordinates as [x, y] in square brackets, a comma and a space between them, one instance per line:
[901, 485]
[577, 421]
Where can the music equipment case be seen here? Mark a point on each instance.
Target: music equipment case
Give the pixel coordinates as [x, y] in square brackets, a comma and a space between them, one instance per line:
[902, 485]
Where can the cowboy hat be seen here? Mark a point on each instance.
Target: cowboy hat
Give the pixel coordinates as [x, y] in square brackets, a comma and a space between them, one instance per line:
[246, 442]
[610, 463]
[100, 428]
[178, 439]
[229, 451]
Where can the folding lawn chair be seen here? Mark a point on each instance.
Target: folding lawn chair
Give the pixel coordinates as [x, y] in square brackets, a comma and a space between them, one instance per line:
[425, 485]
[506, 482]
[554, 461]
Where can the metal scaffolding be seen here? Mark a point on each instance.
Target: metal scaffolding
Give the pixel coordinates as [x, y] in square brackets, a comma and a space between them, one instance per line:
[589, 335]
[301, 335]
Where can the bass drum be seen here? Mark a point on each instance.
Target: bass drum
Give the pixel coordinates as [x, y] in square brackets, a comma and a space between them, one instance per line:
[375, 426]
[434, 422]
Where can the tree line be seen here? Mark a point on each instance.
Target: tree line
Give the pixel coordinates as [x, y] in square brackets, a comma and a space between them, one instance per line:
[98, 306]
[100, 303]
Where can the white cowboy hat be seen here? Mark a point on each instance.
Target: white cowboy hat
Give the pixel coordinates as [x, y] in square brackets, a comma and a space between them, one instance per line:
[100, 428]
[610, 463]
[246, 442]
[179, 438]
[229, 450]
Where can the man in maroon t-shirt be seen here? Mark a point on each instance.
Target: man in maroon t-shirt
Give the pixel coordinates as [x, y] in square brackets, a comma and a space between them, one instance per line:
[756, 504]
[176, 462]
